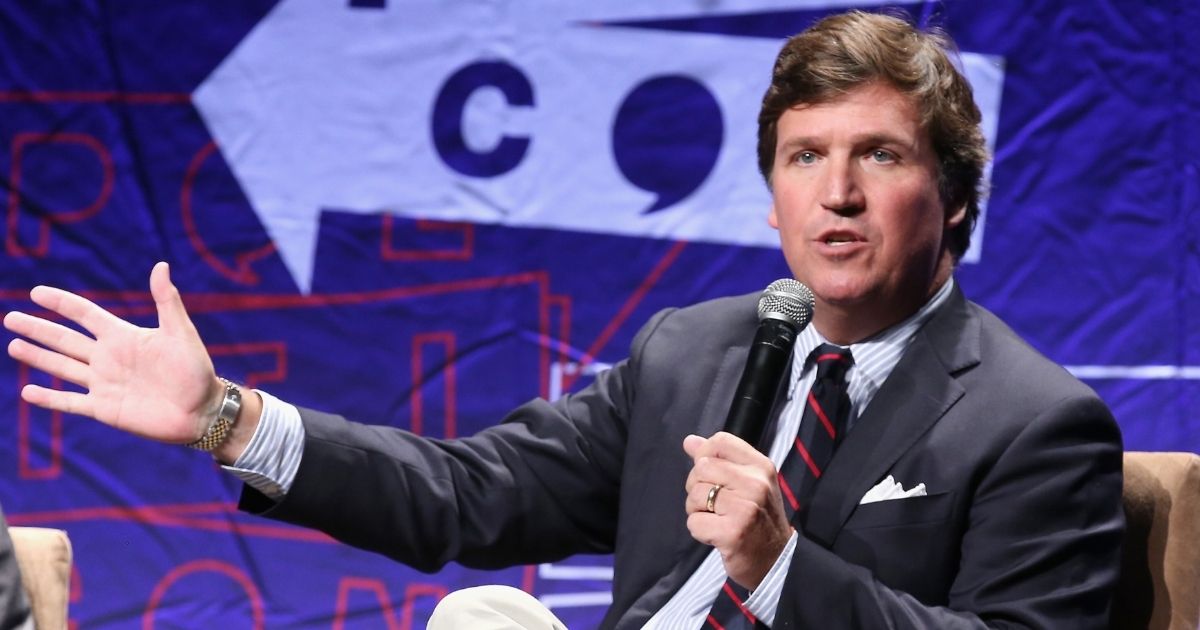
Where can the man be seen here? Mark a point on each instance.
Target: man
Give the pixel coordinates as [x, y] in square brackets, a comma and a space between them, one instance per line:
[1007, 470]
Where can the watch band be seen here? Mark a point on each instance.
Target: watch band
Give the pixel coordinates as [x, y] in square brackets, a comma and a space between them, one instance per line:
[220, 428]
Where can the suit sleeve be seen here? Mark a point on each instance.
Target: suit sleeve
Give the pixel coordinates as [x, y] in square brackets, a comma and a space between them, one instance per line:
[1040, 550]
[541, 485]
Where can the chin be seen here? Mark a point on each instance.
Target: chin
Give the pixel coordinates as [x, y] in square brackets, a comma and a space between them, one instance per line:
[839, 296]
[837, 288]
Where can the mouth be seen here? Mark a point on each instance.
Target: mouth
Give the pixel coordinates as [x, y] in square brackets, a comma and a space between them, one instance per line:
[839, 238]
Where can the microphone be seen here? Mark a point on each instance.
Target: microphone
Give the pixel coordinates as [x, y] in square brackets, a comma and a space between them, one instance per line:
[785, 308]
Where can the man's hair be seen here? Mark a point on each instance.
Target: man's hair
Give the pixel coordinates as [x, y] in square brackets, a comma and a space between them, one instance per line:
[842, 52]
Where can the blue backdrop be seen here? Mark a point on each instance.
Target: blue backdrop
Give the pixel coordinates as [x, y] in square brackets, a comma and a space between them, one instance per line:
[423, 213]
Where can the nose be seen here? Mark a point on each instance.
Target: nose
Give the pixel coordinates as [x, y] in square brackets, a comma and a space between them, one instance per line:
[840, 191]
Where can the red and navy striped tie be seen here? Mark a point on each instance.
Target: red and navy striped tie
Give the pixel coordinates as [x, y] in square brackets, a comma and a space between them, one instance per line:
[821, 430]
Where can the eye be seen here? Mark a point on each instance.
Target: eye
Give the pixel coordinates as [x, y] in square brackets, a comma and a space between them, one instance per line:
[806, 157]
[883, 157]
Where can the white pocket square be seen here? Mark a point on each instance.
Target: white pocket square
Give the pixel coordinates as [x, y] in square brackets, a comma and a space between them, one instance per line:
[888, 490]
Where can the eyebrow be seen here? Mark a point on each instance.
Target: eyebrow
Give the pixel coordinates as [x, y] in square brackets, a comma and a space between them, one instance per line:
[880, 138]
[795, 143]
[887, 138]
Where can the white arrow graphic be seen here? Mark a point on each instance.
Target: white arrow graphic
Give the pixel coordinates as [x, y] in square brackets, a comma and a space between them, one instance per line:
[325, 106]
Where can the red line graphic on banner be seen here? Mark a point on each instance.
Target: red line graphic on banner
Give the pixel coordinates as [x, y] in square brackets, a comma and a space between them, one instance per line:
[242, 272]
[562, 305]
[390, 253]
[25, 467]
[186, 515]
[140, 303]
[253, 379]
[143, 304]
[103, 96]
[206, 566]
[545, 341]
[625, 311]
[527, 578]
[20, 143]
[76, 594]
[449, 393]
[411, 593]
[376, 588]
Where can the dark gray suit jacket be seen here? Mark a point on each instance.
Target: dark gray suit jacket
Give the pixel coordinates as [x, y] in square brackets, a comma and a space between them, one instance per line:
[1022, 462]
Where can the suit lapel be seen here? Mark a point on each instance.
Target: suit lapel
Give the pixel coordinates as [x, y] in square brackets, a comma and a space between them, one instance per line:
[689, 553]
[919, 391]
[720, 396]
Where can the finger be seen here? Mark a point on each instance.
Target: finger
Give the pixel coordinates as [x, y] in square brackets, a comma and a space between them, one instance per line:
[734, 479]
[172, 316]
[734, 496]
[708, 471]
[55, 400]
[706, 528]
[730, 447]
[50, 362]
[714, 446]
[693, 501]
[697, 498]
[76, 308]
[51, 334]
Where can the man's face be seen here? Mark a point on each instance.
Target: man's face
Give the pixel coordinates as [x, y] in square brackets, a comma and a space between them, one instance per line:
[855, 200]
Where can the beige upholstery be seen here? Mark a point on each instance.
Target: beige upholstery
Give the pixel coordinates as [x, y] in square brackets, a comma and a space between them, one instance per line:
[44, 556]
[1160, 571]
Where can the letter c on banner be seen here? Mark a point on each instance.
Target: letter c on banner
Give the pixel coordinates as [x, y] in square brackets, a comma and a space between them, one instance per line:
[448, 118]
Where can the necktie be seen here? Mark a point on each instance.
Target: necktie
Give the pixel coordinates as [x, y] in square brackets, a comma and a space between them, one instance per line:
[822, 428]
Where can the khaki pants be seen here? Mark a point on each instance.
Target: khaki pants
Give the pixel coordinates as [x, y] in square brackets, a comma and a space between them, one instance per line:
[492, 608]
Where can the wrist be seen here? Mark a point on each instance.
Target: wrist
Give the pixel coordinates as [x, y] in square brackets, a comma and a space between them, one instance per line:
[243, 428]
[221, 419]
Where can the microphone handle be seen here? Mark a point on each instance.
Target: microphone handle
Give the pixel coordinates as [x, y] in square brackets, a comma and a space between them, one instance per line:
[769, 354]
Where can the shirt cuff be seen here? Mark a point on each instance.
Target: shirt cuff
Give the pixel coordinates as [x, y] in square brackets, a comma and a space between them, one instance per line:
[764, 601]
[272, 457]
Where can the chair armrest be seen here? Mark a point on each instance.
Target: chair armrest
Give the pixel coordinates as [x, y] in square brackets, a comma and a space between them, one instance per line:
[44, 557]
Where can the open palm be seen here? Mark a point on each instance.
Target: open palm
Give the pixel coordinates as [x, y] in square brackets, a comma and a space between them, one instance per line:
[154, 382]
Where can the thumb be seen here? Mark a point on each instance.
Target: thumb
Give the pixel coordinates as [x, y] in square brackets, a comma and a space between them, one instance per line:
[693, 445]
[172, 317]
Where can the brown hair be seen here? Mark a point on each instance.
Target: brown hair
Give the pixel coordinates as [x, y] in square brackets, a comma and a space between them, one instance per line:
[842, 52]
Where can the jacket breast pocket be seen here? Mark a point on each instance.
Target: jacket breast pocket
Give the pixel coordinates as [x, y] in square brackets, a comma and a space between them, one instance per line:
[929, 509]
[891, 537]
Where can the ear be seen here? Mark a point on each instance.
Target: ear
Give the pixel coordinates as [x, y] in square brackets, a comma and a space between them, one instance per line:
[773, 217]
[955, 216]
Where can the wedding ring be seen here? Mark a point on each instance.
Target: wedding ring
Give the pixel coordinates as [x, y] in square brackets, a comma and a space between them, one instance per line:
[710, 505]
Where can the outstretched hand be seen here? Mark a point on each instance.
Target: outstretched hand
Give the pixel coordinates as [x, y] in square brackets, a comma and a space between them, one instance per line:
[158, 383]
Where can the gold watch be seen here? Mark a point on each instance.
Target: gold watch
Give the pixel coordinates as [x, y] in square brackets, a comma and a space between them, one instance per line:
[220, 428]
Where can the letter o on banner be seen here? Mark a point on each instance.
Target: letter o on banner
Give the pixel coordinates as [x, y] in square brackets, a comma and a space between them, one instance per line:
[205, 566]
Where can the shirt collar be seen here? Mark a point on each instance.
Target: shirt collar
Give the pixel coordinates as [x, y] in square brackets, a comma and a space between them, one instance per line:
[893, 338]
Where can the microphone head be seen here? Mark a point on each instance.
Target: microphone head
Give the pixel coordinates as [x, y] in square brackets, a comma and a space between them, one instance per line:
[786, 300]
